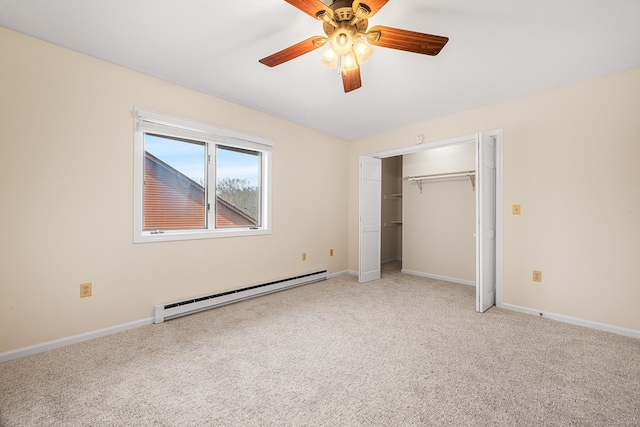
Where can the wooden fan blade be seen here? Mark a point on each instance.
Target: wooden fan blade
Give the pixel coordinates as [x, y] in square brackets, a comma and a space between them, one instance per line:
[410, 41]
[294, 51]
[351, 80]
[312, 8]
[373, 5]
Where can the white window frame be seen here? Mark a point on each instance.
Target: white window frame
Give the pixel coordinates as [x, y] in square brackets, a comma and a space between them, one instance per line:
[147, 121]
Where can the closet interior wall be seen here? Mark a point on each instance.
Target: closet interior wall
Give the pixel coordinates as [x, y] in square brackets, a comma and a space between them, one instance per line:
[439, 219]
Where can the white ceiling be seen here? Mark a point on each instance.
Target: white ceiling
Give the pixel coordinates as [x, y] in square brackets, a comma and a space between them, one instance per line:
[498, 50]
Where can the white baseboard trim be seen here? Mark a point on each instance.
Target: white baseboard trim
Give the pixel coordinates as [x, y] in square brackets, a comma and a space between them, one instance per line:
[353, 272]
[337, 273]
[574, 321]
[74, 339]
[438, 277]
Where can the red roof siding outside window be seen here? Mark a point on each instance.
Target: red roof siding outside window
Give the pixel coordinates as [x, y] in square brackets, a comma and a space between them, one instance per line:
[174, 201]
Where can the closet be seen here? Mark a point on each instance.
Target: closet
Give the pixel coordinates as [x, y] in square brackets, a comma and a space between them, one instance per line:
[447, 212]
[438, 206]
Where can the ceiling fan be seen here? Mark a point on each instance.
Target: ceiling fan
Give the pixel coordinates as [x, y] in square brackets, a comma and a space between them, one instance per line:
[348, 42]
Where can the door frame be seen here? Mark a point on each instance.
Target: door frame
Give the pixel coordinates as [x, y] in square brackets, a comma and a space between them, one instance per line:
[497, 134]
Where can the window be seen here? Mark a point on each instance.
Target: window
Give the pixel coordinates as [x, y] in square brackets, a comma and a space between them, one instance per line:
[195, 181]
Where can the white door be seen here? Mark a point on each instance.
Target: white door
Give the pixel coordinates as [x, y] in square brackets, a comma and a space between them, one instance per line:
[485, 222]
[370, 206]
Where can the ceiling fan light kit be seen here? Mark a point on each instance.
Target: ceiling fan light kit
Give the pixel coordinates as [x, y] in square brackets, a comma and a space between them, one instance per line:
[329, 57]
[362, 49]
[342, 41]
[348, 42]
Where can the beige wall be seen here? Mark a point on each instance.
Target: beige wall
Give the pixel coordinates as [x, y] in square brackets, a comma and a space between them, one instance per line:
[66, 184]
[571, 160]
[438, 229]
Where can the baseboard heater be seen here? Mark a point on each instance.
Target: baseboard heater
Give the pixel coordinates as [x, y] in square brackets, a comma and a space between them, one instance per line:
[194, 305]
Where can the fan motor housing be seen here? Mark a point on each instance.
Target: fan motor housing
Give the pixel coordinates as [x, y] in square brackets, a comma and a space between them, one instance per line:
[342, 14]
[342, 10]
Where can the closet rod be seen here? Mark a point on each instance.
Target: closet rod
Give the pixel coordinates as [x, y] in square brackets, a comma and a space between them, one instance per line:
[439, 175]
[420, 178]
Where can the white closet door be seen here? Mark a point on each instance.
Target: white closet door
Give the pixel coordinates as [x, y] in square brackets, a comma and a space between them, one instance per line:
[370, 206]
[485, 222]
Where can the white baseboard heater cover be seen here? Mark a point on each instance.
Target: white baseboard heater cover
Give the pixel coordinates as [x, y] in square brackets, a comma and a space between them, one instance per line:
[194, 305]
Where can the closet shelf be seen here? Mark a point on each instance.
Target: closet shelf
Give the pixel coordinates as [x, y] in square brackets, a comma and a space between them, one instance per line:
[395, 196]
[420, 178]
[393, 223]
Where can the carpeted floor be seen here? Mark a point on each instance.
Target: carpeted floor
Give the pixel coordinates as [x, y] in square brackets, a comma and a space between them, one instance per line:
[401, 351]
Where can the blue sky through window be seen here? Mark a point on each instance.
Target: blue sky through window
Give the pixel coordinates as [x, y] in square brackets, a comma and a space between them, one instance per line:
[188, 158]
[235, 164]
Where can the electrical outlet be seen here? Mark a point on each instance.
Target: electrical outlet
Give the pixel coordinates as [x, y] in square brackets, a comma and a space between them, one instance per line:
[330, 252]
[304, 256]
[537, 276]
[85, 290]
[515, 210]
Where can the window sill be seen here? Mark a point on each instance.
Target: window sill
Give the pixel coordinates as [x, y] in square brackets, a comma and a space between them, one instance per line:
[168, 235]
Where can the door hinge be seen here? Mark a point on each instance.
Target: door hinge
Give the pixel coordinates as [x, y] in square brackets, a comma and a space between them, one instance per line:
[209, 206]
